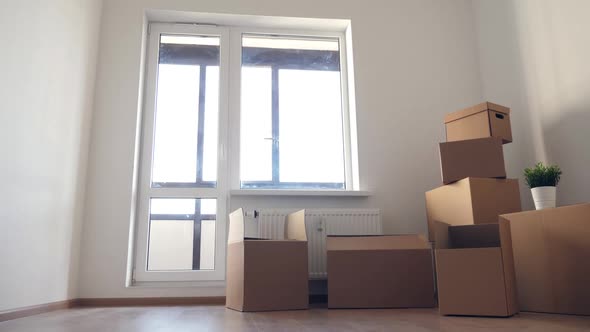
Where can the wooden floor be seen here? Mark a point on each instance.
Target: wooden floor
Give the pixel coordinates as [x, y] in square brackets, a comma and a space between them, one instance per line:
[217, 318]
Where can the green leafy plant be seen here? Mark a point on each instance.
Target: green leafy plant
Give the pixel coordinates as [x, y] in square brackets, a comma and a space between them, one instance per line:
[542, 176]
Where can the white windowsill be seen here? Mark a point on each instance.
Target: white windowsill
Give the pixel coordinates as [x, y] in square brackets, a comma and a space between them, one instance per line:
[176, 284]
[300, 192]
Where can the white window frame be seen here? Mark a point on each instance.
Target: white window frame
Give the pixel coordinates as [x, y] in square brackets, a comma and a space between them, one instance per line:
[235, 101]
[146, 191]
[228, 175]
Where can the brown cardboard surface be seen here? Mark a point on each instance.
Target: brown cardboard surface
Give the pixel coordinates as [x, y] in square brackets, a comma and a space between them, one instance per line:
[473, 275]
[267, 274]
[482, 120]
[471, 201]
[551, 250]
[380, 272]
[376, 242]
[471, 127]
[476, 109]
[481, 157]
[275, 275]
[500, 125]
[234, 290]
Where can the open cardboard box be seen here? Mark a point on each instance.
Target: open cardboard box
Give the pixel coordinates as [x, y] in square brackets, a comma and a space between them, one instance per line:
[471, 201]
[382, 271]
[482, 157]
[482, 120]
[552, 258]
[475, 271]
[265, 275]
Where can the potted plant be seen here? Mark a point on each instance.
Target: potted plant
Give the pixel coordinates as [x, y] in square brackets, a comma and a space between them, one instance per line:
[543, 181]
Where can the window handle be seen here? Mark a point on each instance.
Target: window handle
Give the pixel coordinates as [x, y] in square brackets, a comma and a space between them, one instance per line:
[271, 139]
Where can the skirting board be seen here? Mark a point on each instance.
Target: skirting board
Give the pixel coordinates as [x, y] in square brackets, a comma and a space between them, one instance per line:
[36, 309]
[149, 301]
[109, 302]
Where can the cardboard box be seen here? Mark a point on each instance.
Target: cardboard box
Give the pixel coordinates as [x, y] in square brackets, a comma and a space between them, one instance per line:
[384, 271]
[551, 250]
[475, 271]
[482, 157]
[482, 120]
[471, 201]
[265, 275]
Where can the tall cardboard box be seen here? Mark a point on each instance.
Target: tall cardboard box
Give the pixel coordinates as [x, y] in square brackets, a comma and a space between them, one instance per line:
[475, 272]
[471, 201]
[552, 259]
[384, 271]
[482, 120]
[265, 275]
[481, 157]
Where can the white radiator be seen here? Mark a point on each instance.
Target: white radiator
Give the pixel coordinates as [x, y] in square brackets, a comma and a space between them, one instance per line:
[319, 223]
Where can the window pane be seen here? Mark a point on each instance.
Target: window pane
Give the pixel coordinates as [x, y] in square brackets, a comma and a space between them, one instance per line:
[177, 227]
[312, 148]
[211, 124]
[256, 124]
[186, 121]
[291, 124]
[171, 245]
[175, 144]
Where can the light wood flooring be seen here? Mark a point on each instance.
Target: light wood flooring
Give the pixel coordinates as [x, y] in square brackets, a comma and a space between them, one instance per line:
[218, 318]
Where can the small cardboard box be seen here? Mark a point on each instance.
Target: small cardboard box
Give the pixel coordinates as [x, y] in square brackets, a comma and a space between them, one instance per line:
[551, 250]
[482, 120]
[482, 157]
[264, 275]
[383, 271]
[471, 201]
[475, 271]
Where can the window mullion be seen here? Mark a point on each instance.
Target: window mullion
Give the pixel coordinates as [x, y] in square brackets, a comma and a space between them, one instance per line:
[201, 124]
[275, 125]
[197, 236]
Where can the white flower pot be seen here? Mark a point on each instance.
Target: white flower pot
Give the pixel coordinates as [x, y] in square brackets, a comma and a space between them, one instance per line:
[544, 197]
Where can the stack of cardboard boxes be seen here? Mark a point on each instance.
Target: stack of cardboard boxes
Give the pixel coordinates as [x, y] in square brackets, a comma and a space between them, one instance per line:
[475, 273]
[484, 247]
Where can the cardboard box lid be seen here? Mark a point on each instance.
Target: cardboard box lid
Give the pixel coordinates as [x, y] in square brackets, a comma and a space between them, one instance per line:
[376, 242]
[294, 227]
[476, 109]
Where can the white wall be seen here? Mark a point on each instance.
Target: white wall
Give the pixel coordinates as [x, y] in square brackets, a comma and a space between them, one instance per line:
[415, 61]
[47, 63]
[534, 57]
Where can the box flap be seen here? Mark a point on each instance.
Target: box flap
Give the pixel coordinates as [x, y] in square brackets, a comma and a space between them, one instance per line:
[440, 231]
[295, 226]
[379, 242]
[476, 109]
[236, 226]
[508, 260]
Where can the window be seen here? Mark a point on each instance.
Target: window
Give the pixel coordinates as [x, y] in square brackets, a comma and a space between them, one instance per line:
[288, 127]
[291, 113]
[182, 197]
